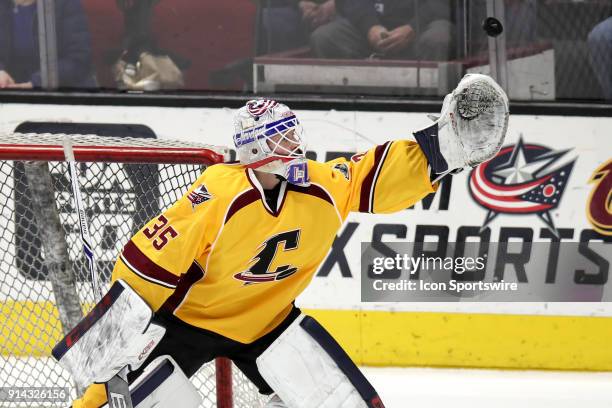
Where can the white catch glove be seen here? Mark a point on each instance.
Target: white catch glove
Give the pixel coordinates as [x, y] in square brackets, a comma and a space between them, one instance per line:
[471, 128]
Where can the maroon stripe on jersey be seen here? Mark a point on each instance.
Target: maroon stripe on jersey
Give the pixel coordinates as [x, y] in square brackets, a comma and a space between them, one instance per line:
[366, 199]
[240, 202]
[312, 190]
[187, 280]
[144, 267]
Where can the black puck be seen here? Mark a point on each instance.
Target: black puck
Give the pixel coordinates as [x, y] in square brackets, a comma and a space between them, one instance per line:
[492, 26]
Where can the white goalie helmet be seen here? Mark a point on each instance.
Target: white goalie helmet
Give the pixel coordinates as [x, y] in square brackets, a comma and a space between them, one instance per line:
[269, 138]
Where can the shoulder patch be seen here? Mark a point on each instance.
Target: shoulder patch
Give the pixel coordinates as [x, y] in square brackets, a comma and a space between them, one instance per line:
[199, 195]
[357, 157]
[344, 169]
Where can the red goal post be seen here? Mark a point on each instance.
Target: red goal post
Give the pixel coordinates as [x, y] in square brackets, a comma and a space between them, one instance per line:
[91, 148]
[44, 284]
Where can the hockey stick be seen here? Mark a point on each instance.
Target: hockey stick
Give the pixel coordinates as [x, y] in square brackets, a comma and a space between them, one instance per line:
[117, 389]
[83, 223]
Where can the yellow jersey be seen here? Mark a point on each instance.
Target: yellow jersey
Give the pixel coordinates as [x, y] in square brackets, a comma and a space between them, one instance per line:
[221, 258]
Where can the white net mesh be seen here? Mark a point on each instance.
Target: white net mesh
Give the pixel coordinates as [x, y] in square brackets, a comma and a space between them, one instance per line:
[43, 273]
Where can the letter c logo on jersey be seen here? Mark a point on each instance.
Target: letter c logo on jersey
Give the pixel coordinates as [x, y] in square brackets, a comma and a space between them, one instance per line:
[259, 271]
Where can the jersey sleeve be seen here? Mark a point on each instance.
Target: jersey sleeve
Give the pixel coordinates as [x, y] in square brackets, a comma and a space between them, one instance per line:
[385, 179]
[164, 250]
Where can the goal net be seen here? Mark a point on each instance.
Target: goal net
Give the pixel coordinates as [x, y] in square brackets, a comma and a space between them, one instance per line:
[45, 287]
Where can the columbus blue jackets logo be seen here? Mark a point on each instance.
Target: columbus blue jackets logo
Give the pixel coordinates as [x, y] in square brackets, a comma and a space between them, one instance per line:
[524, 179]
[344, 169]
[198, 196]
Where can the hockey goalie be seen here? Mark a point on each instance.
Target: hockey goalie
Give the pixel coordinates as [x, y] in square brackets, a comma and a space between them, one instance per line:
[216, 275]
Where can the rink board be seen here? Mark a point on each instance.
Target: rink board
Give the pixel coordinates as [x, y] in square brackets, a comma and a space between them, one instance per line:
[380, 338]
[472, 339]
[510, 335]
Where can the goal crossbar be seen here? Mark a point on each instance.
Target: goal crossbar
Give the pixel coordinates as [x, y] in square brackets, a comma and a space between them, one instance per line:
[88, 148]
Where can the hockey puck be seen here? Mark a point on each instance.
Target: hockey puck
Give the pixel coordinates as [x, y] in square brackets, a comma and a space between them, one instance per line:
[492, 26]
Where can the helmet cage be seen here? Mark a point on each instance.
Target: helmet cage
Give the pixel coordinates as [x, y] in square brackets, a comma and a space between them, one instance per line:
[263, 145]
[290, 131]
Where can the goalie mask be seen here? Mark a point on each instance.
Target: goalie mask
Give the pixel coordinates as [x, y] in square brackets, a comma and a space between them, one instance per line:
[269, 138]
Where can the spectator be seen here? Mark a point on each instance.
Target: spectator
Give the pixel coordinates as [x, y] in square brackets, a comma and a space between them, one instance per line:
[600, 49]
[142, 65]
[138, 35]
[387, 28]
[287, 24]
[19, 49]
